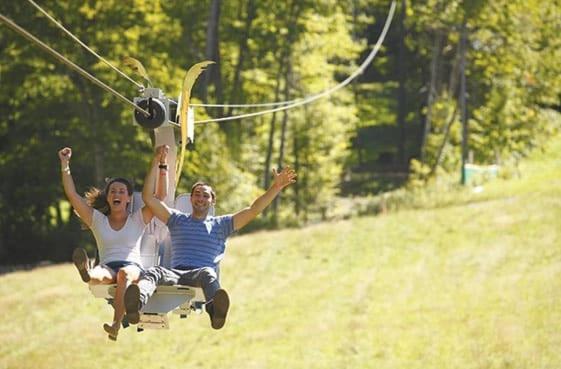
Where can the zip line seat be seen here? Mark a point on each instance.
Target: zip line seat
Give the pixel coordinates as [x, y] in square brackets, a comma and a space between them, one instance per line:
[156, 250]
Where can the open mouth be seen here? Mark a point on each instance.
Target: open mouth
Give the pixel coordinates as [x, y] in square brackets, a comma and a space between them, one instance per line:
[116, 202]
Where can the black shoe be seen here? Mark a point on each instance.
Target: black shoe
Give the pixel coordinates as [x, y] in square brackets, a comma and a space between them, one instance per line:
[218, 309]
[132, 303]
[80, 259]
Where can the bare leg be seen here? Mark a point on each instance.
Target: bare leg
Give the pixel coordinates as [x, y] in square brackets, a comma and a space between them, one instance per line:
[125, 276]
[102, 275]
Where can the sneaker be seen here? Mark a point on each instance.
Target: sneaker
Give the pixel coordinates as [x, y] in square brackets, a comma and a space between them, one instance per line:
[111, 331]
[80, 259]
[218, 309]
[132, 303]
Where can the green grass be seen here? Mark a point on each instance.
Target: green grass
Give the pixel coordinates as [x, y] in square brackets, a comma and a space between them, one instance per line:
[472, 284]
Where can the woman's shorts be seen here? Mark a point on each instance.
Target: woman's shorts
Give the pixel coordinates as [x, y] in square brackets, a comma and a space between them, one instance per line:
[116, 265]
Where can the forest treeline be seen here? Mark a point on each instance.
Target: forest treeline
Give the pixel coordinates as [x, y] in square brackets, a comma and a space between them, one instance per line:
[452, 78]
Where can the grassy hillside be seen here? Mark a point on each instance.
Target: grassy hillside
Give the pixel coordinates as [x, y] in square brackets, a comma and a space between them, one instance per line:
[475, 285]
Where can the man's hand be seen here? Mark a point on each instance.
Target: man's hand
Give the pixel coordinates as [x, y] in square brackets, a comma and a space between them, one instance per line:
[280, 180]
[286, 176]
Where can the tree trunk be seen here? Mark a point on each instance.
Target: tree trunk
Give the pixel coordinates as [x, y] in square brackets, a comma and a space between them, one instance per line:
[233, 129]
[282, 138]
[455, 72]
[296, 186]
[283, 60]
[243, 51]
[440, 153]
[59, 221]
[271, 141]
[97, 126]
[431, 94]
[452, 91]
[401, 93]
[213, 53]
[90, 103]
[463, 102]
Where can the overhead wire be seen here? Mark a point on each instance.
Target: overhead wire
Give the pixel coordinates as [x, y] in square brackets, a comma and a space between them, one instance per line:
[327, 92]
[283, 105]
[68, 62]
[52, 19]
[105, 61]
[257, 105]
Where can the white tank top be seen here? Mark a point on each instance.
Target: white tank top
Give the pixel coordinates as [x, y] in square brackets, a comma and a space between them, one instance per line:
[121, 245]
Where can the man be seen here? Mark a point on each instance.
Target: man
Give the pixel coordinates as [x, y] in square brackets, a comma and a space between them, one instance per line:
[198, 244]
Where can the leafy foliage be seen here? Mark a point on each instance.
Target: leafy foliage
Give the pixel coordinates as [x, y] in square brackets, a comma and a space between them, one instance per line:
[267, 51]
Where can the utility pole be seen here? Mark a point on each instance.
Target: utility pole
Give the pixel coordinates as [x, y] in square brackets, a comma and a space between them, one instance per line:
[462, 103]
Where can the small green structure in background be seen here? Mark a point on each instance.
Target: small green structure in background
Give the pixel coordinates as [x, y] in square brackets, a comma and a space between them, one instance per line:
[477, 174]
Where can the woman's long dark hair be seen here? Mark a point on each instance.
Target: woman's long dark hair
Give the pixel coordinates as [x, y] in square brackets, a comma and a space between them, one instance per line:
[97, 199]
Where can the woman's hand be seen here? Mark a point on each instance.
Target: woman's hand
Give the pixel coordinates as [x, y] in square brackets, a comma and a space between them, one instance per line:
[162, 153]
[64, 155]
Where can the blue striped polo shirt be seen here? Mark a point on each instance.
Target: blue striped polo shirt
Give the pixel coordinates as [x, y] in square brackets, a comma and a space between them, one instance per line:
[198, 243]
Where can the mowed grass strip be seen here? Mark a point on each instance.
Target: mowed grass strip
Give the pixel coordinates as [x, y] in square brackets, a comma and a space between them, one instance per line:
[465, 286]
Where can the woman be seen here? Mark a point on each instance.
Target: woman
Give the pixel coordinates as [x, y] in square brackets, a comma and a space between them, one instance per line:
[117, 233]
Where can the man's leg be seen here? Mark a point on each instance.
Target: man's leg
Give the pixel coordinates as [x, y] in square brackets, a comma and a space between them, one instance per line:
[217, 300]
[137, 295]
[205, 278]
[217, 308]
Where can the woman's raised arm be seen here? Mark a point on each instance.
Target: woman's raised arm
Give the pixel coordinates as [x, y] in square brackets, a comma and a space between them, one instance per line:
[78, 203]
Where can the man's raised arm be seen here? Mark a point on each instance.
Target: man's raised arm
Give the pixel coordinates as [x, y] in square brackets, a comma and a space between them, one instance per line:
[286, 176]
[158, 164]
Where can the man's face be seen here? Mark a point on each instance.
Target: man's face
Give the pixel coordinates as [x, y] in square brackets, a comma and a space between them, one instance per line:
[201, 199]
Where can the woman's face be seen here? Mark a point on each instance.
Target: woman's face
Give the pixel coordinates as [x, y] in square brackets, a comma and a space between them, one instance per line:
[118, 196]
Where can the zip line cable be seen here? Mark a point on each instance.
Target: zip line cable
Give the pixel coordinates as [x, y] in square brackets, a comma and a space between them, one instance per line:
[282, 102]
[255, 105]
[327, 92]
[244, 105]
[58, 24]
[68, 63]
[52, 19]
[285, 105]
